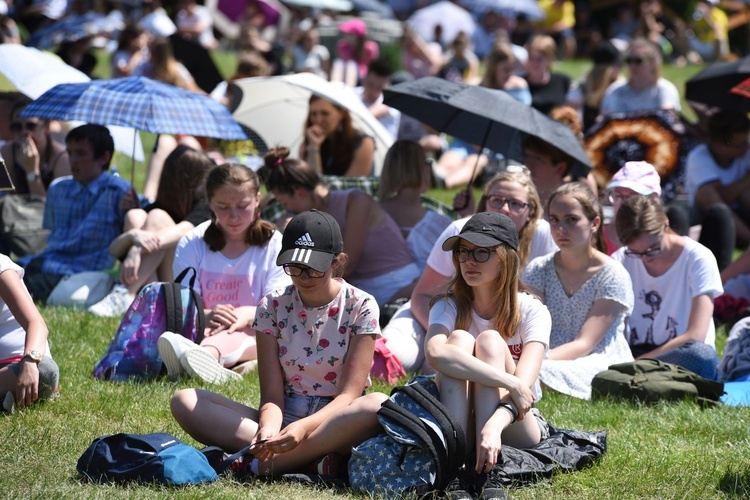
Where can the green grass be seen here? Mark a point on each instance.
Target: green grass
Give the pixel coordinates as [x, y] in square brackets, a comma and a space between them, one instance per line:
[662, 451]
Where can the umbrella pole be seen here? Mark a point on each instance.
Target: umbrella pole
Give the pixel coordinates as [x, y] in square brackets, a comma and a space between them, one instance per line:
[476, 165]
[132, 162]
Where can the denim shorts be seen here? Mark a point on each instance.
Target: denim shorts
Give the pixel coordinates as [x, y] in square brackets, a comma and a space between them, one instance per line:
[297, 406]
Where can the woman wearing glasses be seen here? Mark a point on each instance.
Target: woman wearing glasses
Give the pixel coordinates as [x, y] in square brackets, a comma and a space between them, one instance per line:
[486, 339]
[315, 343]
[587, 293]
[675, 281]
[234, 256]
[509, 193]
[33, 158]
[645, 88]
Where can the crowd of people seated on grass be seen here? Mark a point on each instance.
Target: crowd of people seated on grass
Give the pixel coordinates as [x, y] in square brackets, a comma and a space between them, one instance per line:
[534, 288]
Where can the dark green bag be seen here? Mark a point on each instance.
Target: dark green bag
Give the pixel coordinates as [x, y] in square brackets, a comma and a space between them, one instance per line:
[651, 380]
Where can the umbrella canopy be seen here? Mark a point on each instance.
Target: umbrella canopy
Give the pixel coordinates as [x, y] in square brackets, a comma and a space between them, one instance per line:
[228, 13]
[33, 72]
[490, 118]
[375, 6]
[724, 85]
[528, 8]
[276, 107]
[660, 137]
[137, 102]
[73, 28]
[451, 18]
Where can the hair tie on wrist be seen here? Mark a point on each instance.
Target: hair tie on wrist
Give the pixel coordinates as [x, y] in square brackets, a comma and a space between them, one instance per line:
[511, 408]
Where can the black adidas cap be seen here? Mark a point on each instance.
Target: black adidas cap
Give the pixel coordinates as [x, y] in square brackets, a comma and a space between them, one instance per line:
[486, 229]
[312, 239]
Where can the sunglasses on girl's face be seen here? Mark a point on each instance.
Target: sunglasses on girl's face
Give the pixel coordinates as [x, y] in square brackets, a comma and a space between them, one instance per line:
[18, 126]
[479, 254]
[297, 271]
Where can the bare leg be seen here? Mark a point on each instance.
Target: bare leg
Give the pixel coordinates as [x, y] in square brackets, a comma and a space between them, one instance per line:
[467, 171]
[348, 427]
[454, 393]
[166, 145]
[213, 419]
[150, 262]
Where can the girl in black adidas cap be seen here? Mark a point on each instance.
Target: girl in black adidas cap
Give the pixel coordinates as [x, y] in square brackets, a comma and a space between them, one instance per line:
[486, 339]
[315, 347]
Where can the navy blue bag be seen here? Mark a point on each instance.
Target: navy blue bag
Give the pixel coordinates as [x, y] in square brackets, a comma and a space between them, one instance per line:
[146, 458]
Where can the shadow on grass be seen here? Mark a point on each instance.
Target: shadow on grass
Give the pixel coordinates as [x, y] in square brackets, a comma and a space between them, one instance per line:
[736, 483]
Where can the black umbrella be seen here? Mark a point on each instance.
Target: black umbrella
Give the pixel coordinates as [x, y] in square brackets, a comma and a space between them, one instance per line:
[724, 85]
[490, 118]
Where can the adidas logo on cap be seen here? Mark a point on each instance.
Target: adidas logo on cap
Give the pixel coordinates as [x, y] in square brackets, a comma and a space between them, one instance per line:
[305, 240]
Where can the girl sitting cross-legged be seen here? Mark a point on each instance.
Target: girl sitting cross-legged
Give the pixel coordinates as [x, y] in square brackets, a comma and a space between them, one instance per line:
[315, 345]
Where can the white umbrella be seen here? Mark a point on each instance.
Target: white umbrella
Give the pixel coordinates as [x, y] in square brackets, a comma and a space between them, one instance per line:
[340, 5]
[451, 17]
[33, 72]
[275, 107]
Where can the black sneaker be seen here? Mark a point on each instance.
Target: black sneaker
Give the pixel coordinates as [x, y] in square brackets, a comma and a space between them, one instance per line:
[489, 487]
[459, 488]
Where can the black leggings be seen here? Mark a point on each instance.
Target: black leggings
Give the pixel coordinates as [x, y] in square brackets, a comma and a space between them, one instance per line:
[718, 233]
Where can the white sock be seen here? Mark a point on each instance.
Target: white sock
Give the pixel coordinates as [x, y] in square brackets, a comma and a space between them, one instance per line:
[231, 358]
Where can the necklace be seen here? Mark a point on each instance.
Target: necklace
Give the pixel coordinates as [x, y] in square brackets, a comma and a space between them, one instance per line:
[571, 284]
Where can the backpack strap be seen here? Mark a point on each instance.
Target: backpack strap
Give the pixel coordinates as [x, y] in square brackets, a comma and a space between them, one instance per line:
[201, 326]
[454, 435]
[173, 300]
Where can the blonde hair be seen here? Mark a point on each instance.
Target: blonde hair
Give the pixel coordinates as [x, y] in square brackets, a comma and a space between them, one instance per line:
[507, 315]
[525, 233]
[544, 44]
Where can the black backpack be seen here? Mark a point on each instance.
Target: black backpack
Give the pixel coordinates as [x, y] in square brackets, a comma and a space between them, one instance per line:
[421, 450]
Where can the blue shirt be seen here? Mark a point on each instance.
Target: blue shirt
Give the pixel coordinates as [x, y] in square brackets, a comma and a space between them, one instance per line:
[83, 221]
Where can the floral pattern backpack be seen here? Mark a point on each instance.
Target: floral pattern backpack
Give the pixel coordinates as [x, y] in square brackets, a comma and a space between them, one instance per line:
[158, 308]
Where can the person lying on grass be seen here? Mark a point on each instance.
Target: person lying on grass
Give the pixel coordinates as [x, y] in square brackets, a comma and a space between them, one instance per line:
[315, 346]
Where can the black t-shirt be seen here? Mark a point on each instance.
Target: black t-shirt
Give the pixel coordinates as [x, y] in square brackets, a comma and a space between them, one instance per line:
[550, 95]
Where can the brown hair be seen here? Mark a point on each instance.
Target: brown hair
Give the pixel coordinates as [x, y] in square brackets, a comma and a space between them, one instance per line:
[639, 215]
[544, 44]
[402, 168]
[284, 175]
[590, 204]
[182, 181]
[544, 148]
[232, 174]
[525, 233]
[500, 53]
[507, 316]
[338, 147]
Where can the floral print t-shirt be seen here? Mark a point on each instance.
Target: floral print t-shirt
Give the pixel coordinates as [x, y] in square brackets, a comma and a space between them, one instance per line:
[314, 341]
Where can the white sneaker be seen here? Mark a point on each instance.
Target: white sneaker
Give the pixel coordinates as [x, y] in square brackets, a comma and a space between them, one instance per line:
[9, 403]
[115, 304]
[171, 347]
[201, 364]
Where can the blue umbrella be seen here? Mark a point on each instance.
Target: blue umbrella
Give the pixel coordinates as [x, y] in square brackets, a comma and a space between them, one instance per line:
[73, 28]
[376, 6]
[528, 8]
[140, 103]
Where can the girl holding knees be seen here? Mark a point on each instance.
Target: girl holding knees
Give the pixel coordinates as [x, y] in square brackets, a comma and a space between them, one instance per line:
[315, 347]
[486, 340]
[233, 254]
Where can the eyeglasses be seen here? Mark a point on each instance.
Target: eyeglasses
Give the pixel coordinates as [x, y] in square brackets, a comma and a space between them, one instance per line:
[479, 254]
[498, 202]
[615, 197]
[297, 271]
[650, 253]
[638, 60]
[18, 126]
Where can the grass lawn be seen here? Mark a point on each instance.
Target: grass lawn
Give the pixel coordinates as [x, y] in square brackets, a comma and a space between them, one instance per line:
[662, 451]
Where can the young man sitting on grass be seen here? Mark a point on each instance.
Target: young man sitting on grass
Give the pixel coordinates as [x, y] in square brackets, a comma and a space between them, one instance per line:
[82, 213]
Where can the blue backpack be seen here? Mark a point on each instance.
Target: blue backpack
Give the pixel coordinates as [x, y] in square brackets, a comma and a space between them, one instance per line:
[158, 308]
[146, 458]
[421, 450]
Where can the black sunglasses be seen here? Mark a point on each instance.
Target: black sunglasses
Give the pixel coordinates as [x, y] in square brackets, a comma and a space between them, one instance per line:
[297, 271]
[18, 126]
[479, 254]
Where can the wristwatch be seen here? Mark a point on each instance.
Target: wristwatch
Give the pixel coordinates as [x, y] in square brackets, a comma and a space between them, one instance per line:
[34, 356]
[31, 176]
